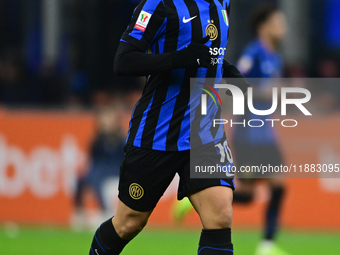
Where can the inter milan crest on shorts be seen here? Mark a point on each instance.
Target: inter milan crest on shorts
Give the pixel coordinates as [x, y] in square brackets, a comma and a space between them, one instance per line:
[136, 191]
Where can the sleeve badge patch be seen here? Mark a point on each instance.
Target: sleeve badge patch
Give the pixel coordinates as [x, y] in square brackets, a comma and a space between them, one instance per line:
[142, 21]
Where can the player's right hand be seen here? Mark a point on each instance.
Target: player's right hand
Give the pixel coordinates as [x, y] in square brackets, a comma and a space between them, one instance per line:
[195, 55]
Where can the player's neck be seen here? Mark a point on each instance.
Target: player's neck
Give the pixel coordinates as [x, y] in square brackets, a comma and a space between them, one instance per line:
[269, 44]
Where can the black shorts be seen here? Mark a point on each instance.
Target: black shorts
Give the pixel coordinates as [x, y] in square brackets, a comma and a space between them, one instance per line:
[145, 175]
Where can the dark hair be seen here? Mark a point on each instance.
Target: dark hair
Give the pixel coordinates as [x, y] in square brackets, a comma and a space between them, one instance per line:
[261, 14]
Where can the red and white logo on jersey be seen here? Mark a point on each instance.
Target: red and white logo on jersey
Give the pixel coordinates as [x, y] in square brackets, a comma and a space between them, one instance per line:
[142, 21]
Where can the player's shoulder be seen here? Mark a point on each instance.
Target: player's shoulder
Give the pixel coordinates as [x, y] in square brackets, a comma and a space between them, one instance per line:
[253, 48]
[151, 8]
[151, 3]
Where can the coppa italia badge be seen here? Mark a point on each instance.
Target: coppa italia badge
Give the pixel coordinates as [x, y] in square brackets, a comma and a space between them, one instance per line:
[143, 20]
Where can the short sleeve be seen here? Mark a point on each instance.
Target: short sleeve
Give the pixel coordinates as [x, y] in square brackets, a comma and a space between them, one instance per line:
[247, 61]
[147, 23]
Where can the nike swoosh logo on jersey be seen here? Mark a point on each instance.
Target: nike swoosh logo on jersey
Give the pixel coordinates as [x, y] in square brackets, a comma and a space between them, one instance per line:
[187, 20]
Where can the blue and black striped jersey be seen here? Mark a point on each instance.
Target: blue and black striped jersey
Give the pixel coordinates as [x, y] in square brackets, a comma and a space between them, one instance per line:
[161, 118]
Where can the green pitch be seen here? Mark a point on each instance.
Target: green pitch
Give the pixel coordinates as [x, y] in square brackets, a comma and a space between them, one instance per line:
[156, 242]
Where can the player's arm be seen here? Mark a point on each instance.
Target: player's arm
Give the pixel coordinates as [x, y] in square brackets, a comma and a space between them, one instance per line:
[231, 71]
[132, 61]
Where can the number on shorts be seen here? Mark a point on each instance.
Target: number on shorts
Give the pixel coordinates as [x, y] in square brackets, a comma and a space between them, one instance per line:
[225, 151]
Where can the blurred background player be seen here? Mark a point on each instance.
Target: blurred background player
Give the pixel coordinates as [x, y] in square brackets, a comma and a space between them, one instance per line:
[256, 146]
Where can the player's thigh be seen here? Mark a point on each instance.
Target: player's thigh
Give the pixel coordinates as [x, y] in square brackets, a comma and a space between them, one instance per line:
[211, 197]
[214, 206]
[205, 156]
[145, 175]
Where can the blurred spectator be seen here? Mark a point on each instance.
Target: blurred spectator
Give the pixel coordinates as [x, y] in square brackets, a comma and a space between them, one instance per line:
[106, 155]
[14, 85]
[87, 37]
[19, 87]
[98, 26]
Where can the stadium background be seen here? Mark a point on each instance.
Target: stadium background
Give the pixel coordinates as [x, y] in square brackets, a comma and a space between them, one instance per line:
[58, 91]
